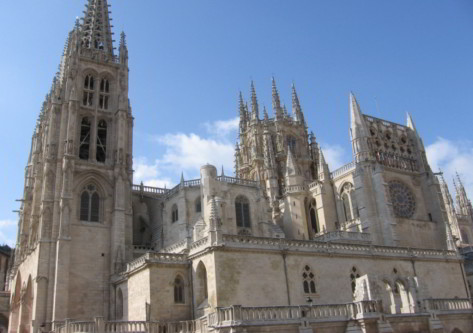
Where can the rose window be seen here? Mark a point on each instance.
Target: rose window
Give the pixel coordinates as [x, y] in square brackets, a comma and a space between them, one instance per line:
[402, 198]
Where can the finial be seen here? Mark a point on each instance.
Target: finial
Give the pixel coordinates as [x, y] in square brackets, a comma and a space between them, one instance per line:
[122, 39]
[265, 113]
[254, 102]
[223, 173]
[182, 177]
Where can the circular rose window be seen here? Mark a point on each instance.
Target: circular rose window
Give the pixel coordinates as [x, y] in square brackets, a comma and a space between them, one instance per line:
[402, 198]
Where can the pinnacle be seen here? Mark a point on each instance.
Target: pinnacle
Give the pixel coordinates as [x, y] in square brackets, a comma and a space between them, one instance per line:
[96, 29]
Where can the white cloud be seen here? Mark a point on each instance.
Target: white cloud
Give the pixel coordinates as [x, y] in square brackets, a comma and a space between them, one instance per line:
[222, 128]
[451, 157]
[334, 155]
[188, 152]
[8, 230]
[149, 174]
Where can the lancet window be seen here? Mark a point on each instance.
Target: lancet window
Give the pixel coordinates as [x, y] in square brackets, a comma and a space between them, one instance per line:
[179, 290]
[88, 96]
[174, 213]
[350, 206]
[101, 152]
[198, 205]
[242, 211]
[354, 274]
[308, 280]
[89, 204]
[313, 217]
[84, 144]
[104, 94]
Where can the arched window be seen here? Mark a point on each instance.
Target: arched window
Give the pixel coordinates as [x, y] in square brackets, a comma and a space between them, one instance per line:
[88, 96]
[353, 276]
[119, 304]
[350, 206]
[174, 213]
[292, 143]
[101, 153]
[84, 143]
[201, 286]
[313, 217]
[198, 205]
[179, 290]
[104, 94]
[308, 280]
[242, 211]
[89, 204]
[464, 236]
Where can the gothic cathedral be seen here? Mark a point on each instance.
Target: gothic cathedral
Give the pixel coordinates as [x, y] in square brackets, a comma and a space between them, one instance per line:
[286, 245]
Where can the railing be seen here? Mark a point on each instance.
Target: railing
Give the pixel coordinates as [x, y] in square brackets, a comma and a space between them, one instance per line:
[294, 188]
[82, 326]
[187, 183]
[238, 181]
[149, 190]
[346, 225]
[342, 170]
[258, 315]
[156, 258]
[316, 246]
[448, 304]
[177, 247]
[344, 236]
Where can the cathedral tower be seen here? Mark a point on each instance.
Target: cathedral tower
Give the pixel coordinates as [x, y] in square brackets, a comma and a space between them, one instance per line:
[76, 208]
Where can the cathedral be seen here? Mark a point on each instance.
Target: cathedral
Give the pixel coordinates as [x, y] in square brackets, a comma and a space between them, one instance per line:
[284, 245]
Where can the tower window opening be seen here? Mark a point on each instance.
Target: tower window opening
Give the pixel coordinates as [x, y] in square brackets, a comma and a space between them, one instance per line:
[308, 280]
[174, 213]
[88, 96]
[179, 291]
[101, 153]
[84, 144]
[242, 210]
[89, 204]
[104, 94]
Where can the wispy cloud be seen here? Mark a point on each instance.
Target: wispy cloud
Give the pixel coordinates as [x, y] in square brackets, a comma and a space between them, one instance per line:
[222, 128]
[451, 157]
[8, 228]
[335, 155]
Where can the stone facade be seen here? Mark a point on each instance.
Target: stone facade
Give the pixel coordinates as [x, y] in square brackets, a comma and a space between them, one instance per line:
[284, 246]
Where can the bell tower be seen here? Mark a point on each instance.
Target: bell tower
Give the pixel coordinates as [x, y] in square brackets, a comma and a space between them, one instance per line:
[75, 219]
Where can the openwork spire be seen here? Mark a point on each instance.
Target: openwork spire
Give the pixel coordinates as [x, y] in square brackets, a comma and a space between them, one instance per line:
[276, 101]
[254, 103]
[96, 33]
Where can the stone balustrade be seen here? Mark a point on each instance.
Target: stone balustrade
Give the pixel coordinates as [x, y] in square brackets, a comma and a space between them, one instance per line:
[156, 257]
[177, 247]
[237, 315]
[237, 181]
[315, 246]
[149, 190]
[294, 189]
[448, 304]
[343, 170]
[339, 235]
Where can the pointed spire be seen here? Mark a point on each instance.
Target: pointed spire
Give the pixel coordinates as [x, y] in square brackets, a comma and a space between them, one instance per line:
[355, 111]
[322, 162]
[96, 30]
[285, 110]
[223, 172]
[123, 49]
[291, 169]
[254, 103]
[265, 113]
[410, 122]
[182, 177]
[276, 101]
[296, 106]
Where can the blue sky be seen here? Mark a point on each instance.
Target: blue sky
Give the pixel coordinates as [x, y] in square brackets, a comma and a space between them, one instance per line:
[189, 59]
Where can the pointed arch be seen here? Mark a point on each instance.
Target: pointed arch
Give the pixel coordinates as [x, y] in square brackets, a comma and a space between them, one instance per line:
[84, 139]
[179, 295]
[201, 293]
[26, 308]
[15, 305]
[354, 274]
[119, 304]
[89, 204]
[242, 212]
[101, 149]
